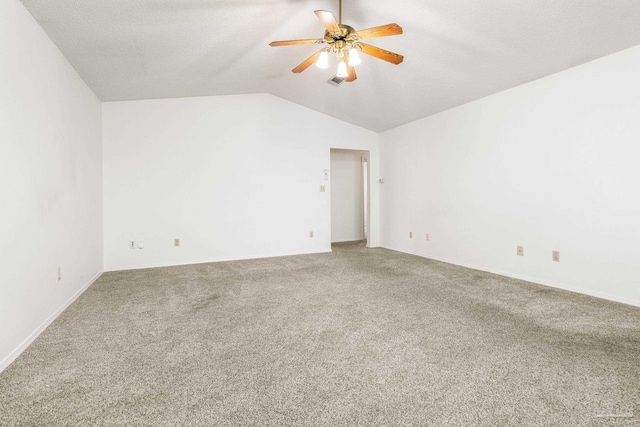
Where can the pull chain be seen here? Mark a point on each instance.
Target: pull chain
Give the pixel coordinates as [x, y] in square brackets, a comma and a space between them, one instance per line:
[340, 14]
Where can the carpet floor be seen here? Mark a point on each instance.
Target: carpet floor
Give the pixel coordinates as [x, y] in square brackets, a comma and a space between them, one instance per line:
[353, 337]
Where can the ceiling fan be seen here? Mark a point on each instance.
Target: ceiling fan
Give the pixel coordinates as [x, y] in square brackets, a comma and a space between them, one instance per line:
[345, 43]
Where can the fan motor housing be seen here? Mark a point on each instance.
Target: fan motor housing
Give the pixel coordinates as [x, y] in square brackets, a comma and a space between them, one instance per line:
[346, 32]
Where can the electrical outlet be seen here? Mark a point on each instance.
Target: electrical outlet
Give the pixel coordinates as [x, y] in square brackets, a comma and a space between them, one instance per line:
[520, 251]
[176, 242]
[59, 273]
[411, 234]
[311, 234]
[555, 256]
[132, 244]
[426, 236]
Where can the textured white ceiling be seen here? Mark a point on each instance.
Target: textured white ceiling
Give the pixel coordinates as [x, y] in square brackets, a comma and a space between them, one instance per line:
[455, 51]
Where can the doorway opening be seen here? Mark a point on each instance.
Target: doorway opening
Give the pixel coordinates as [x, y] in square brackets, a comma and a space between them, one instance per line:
[349, 196]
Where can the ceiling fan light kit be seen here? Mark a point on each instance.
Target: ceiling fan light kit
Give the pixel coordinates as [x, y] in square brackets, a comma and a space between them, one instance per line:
[354, 58]
[323, 60]
[342, 70]
[344, 43]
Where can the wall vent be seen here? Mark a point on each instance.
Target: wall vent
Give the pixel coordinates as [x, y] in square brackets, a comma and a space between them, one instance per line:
[335, 81]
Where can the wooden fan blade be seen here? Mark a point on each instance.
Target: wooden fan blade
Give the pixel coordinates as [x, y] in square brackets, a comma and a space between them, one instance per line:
[381, 31]
[305, 64]
[328, 20]
[293, 42]
[351, 76]
[385, 55]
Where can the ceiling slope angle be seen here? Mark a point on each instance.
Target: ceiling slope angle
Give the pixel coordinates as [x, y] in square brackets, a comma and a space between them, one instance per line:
[455, 51]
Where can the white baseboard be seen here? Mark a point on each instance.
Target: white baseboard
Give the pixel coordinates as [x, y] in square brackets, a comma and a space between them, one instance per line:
[145, 266]
[564, 287]
[27, 342]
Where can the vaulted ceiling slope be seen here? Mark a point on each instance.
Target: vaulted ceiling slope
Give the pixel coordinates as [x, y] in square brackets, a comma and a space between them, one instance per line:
[455, 51]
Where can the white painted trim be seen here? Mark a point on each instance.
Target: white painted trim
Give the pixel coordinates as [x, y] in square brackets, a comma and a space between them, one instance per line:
[142, 267]
[564, 287]
[27, 342]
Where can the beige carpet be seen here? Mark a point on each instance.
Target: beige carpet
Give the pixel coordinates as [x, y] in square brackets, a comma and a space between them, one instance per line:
[356, 337]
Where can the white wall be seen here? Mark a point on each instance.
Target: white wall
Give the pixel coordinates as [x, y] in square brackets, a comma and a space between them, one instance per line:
[50, 181]
[231, 176]
[550, 165]
[347, 195]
